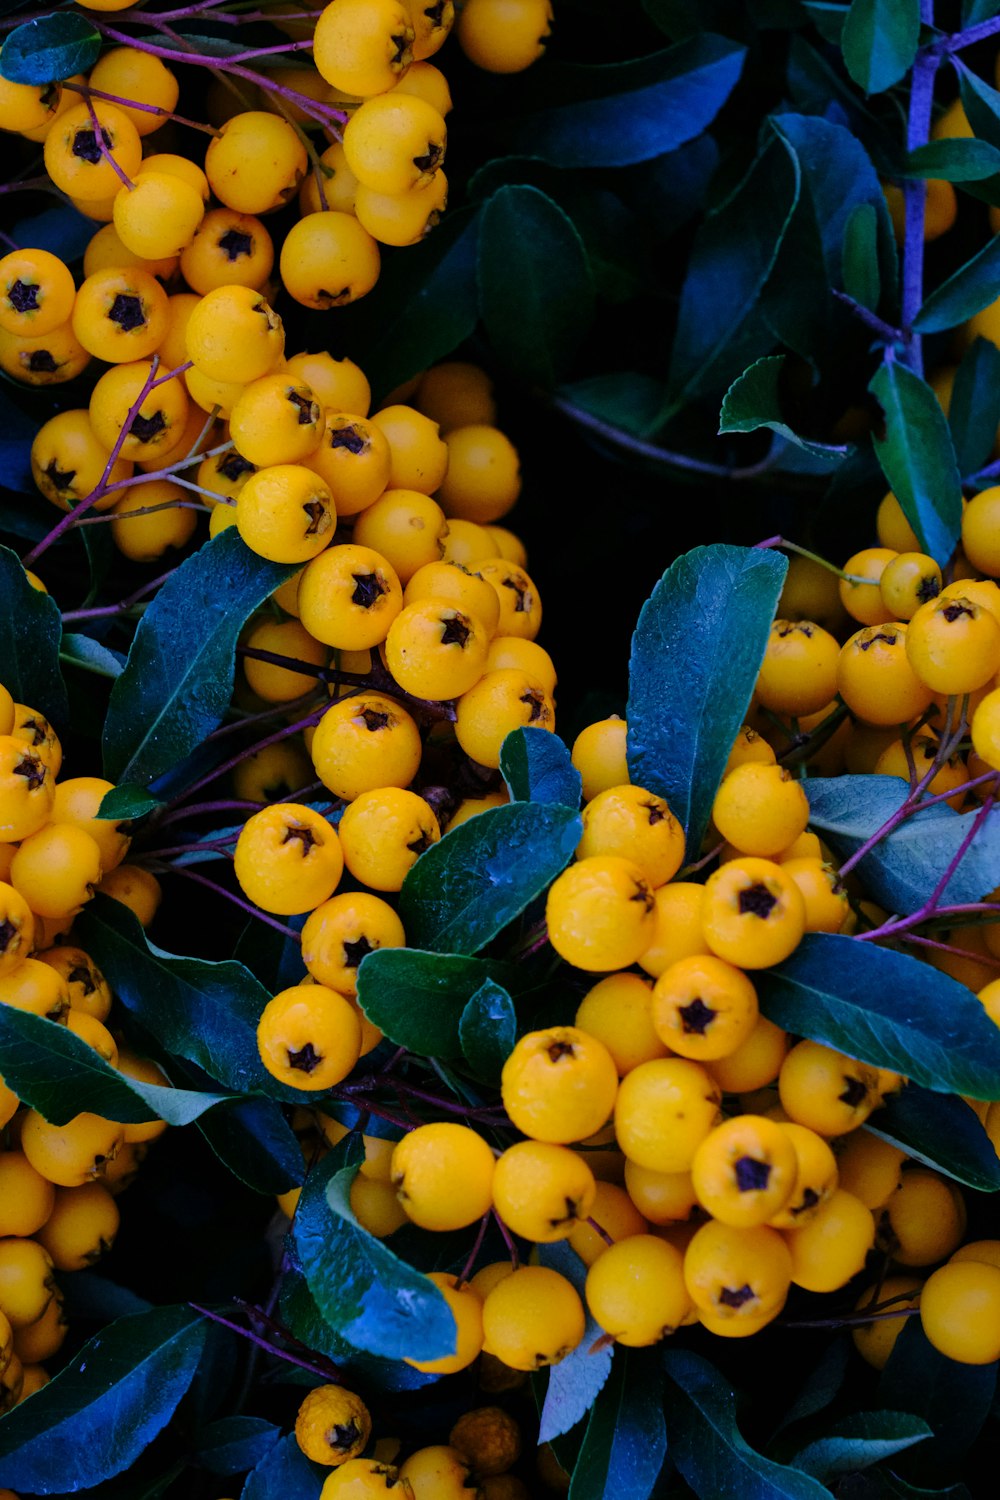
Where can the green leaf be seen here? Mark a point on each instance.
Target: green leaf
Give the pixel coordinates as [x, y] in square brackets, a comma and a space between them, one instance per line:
[232, 1445]
[625, 1442]
[623, 399]
[734, 252]
[536, 293]
[953, 1399]
[887, 1009]
[56, 1072]
[970, 288]
[127, 804]
[974, 412]
[178, 682]
[707, 1446]
[487, 1030]
[859, 267]
[974, 11]
[30, 635]
[918, 458]
[254, 1141]
[576, 1381]
[820, 1387]
[614, 114]
[286, 1472]
[201, 1010]
[696, 652]
[903, 870]
[50, 48]
[464, 890]
[418, 999]
[828, 18]
[302, 1318]
[980, 102]
[84, 652]
[105, 1406]
[858, 1441]
[943, 1132]
[880, 40]
[536, 766]
[959, 160]
[753, 401]
[364, 1291]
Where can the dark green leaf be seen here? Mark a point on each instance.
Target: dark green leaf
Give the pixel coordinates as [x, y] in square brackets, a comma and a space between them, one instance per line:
[828, 18]
[980, 102]
[17, 433]
[178, 682]
[64, 231]
[859, 267]
[918, 458]
[615, 114]
[50, 48]
[953, 1399]
[817, 1390]
[364, 1291]
[30, 635]
[204, 1011]
[888, 1009]
[902, 872]
[956, 160]
[127, 804]
[753, 401]
[974, 11]
[943, 1132]
[487, 1030]
[974, 412]
[880, 41]
[576, 1381]
[464, 890]
[56, 1072]
[734, 252]
[895, 1488]
[210, 45]
[536, 293]
[286, 1472]
[418, 999]
[624, 400]
[972, 287]
[708, 1447]
[302, 1318]
[105, 1406]
[696, 652]
[536, 766]
[625, 1442]
[232, 1445]
[254, 1141]
[90, 656]
[859, 1441]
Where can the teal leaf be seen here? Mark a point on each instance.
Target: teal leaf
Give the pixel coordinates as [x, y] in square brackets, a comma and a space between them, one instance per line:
[56, 1072]
[105, 1406]
[887, 1009]
[50, 48]
[615, 114]
[974, 412]
[903, 870]
[953, 1399]
[418, 999]
[286, 1472]
[962, 159]
[365, 1292]
[707, 1446]
[625, 1442]
[859, 265]
[624, 399]
[536, 766]
[178, 682]
[858, 1441]
[30, 636]
[970, 288]
[127, 804]
[536, 292]
[820, 1387]
[980, 102]
[576, 1381]
[918, 458]
[465, 889]
[941, 1131]
[232, 1445]
[696, 652]
[254, 1141]
[753, 400]
[487, 1030]
[880, 40]
[90, 656]
[974, 11]
[303, 1319]
[734, 252]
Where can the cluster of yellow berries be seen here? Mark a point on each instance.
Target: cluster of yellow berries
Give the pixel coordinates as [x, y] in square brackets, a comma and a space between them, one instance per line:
[57, 1183]
[333, 1427]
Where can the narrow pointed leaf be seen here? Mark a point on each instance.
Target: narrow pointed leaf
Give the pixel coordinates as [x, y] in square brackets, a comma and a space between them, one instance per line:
[859, 1441]
[487, 1030]
[625, 1442]
[970, 288]
[753, 401]
[30, 637]
[918, 458]
[943, 1132]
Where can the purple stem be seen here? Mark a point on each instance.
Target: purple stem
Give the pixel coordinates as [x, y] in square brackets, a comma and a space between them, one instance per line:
[926, 942]
[915, 194]
[73, 615]
[220, 890]
[235, 760]
[879, 326]
[507, 1239]
[640, 449]
[149, 109]
[221, 847]
[600, 1230]
[212, 807]
[466, 1270]
[968, 38]
[325, 1371]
